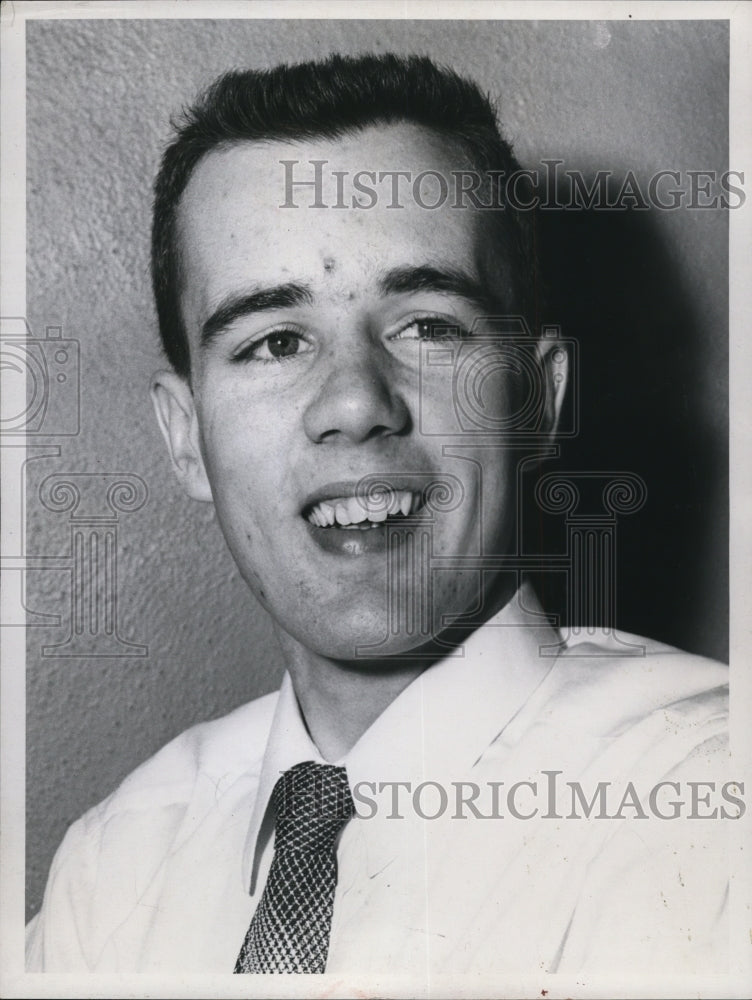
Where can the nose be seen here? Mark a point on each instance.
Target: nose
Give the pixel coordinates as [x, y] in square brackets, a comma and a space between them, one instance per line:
[356, 401]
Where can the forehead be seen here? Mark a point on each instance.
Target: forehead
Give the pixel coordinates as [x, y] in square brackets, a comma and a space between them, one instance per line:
[252, 212]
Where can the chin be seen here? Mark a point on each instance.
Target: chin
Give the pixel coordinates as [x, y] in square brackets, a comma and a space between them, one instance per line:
[358, 637]
[355, 625]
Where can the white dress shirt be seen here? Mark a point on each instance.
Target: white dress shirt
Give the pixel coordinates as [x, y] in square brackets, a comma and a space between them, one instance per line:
[165, 875]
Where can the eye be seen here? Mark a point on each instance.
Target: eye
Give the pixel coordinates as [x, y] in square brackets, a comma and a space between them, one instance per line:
[274, 347]
[431, 328]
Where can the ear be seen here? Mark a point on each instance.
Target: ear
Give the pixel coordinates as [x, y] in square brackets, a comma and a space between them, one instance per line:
[554, 366]
[175, 408]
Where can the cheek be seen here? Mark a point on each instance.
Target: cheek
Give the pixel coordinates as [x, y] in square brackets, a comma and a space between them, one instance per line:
[242, 445]
[485, 391]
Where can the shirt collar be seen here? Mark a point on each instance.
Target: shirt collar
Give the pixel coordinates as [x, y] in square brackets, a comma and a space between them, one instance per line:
[437, 728]
[288, 744]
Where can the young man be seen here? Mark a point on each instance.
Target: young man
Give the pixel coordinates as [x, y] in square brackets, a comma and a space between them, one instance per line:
[442, 784]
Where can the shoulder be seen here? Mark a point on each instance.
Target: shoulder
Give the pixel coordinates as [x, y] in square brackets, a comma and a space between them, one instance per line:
[207, 758]
[645, 673]
[220, 749]
[111, 856]
[635, 684]
[113, 853]
[658, 721]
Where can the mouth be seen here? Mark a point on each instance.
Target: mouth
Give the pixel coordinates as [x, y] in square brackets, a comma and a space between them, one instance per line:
[363, 512]
[346, 519]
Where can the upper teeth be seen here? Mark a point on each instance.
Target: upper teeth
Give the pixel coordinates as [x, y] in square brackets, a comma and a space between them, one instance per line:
[354, 510]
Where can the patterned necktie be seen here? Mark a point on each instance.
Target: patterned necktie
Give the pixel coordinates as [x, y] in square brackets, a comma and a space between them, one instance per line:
[290, 928]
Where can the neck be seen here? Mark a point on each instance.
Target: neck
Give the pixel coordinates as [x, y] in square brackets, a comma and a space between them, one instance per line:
[340, 700]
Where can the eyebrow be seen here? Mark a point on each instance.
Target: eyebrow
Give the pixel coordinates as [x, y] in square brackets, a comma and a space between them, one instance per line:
[396, 281]
[401, 280]
[246, 303]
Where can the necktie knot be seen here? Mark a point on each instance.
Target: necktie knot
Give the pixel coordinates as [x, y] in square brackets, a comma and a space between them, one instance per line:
[312, 803]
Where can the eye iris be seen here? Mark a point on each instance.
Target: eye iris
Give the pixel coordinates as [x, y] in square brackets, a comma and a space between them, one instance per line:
[282, 345]
[436, 329]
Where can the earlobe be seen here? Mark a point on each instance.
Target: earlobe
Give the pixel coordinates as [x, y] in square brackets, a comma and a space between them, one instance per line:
[554, 361]
[175, 409]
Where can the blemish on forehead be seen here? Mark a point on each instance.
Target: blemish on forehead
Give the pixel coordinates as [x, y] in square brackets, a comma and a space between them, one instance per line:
[330, 264]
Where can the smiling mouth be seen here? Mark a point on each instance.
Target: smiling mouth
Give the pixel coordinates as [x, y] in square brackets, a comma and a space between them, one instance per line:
[362, 513]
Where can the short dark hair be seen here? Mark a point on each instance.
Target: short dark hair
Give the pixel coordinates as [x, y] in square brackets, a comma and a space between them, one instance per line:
[325, 99]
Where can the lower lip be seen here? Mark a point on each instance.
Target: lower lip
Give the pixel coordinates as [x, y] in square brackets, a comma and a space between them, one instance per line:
[356, 542]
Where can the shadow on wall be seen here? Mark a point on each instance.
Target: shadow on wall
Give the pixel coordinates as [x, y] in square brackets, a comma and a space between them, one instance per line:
[613, 286]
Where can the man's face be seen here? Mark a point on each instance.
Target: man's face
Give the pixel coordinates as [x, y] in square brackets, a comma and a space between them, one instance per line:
[306, 327]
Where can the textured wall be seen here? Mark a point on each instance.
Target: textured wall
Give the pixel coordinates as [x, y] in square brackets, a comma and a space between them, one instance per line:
[650, 293]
